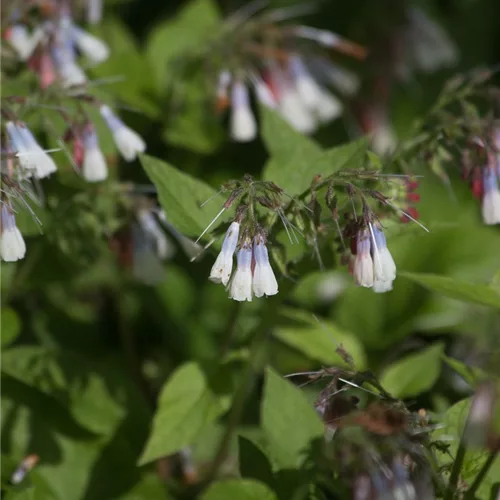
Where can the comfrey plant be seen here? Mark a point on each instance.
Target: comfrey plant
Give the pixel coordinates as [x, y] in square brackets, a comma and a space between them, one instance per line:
[44, 39]
[260, 205]
[285, 66]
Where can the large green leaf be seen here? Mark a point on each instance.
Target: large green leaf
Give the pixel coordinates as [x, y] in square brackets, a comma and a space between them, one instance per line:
[240, 489]
[289, 421]
[181, 196]
[253, 462]
[196, 23]
[80, 386]
[186, 405]
[413, 374]
[296, 159]
[451, 431]
[74, 463]
[318, 340]
[11, 326]
[461, 290]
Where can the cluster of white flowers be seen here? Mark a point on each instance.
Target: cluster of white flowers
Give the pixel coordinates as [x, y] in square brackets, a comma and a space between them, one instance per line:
[254, 274]
[297, 89]
[51, 48]
[374, 266]
[293, 90]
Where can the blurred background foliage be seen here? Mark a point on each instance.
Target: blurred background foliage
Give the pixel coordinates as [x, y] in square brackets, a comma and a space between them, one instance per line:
[87, 347]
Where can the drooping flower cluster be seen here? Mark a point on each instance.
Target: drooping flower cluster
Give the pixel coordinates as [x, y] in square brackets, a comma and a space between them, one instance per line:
[50, 48]
[286, 69]
[44, 36]
[373, 264]
[481, 167]
[253, 275]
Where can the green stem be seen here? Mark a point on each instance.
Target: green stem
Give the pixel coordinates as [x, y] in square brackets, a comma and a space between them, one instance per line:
[455, 472]
[253, 366]
[481, 475]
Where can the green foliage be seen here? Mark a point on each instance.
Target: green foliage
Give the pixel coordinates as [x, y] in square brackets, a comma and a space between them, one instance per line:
[413, 374]
[186, 406]
[296, 159]
[451, 431]
[460, 290]
[289, 422]
[11, 325]
[181, 196]
[246, 489]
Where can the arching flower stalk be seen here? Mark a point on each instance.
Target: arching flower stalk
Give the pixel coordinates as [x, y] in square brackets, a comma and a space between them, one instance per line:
[285, 66]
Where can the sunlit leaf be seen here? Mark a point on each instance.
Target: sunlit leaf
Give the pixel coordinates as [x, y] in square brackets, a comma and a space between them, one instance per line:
[186, 405]
[413, 374]
[241, 489]
[289, 421]
[456, 289]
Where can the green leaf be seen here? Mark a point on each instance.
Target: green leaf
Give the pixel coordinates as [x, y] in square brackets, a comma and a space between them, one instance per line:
[253, 462]
[296, 159]
[289, 421]
[190, 30]
[11, 326]
[76, 384]
[413, 374]
[126, 61]
[181, 196]
[456, 289]
[317, 340]
[471, 374]
[74, 463]
[186, 405]
[193, 124]
[240, 489]
[451, 431]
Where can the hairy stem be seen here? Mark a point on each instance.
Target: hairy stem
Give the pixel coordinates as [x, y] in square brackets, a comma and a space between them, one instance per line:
[481, 475]
[455, 472]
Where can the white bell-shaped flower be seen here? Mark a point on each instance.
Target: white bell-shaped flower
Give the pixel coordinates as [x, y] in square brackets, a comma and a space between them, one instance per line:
[383, 263]
[43, 163]
[94, 167]
[294, 111]
[128, 142]
[363, 271]
[491, 197]
[92, 47]
[12, 246]
[264, 281]
[240, 287]
[223, 266]
[242, 123]
[330, 107]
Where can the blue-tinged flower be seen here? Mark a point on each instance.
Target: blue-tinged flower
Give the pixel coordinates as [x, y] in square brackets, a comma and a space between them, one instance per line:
[33, 159]
[128, 142]
[491, 197]
[94, 168]
[383, 263]
[264, 281]
[240, 287]
[363, 264]
[12, 246]
[243, 125]
[223, 266]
